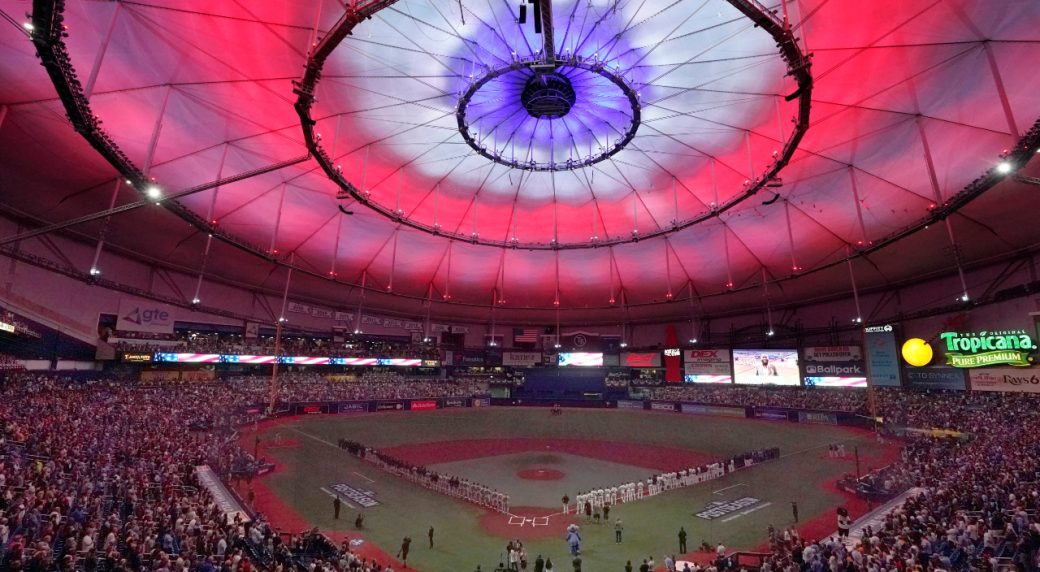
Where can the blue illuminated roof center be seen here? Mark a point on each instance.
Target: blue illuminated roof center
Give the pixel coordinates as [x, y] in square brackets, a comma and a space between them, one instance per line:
[548, 95]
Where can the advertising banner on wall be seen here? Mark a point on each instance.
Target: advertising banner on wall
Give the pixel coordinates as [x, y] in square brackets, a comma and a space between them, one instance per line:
[723, 410]
[641, 359]
[1012, 379]
[834, 366]
[939, 377]
[707, 366]
[521, 359]
[354, 407]
[819, 417]
[144, 316]
[882, 356]
[833, 353]
[986, 348]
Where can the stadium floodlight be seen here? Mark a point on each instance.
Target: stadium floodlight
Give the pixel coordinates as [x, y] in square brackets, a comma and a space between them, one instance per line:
[1004, 167]
[195, 301]
[693, 340]
[153, 192]
[95, 271]
[28, 26]
[770, 333]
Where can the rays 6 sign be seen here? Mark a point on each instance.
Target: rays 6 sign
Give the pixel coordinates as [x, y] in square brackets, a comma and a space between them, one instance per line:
[1004, 347]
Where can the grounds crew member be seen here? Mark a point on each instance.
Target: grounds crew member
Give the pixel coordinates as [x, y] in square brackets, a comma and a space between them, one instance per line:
[406, 543]
[682, 540]
[336, 506]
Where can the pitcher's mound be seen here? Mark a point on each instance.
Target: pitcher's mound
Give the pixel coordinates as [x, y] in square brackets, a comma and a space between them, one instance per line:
[539, 474]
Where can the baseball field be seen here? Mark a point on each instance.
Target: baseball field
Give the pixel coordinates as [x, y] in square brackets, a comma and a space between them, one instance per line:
[538, 458]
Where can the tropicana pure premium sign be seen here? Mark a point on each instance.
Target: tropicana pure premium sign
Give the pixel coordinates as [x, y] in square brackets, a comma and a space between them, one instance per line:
[979, 349]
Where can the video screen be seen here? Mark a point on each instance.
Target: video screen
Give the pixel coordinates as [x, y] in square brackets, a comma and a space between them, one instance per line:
[766, 367]
[580, 359]
[836, 381]
[835, 374]
[695, 378]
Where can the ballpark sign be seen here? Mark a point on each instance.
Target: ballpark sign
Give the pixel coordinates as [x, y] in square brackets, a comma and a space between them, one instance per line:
[1003, 347]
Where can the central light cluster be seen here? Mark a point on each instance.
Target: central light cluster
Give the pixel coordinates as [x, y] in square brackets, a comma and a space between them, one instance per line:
[548, 95]
[541, 117]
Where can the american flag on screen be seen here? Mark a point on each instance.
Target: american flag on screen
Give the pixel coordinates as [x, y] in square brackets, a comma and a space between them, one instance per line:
[525, 335]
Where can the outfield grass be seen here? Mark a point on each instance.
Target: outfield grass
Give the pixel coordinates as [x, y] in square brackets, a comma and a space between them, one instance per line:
[650, 524]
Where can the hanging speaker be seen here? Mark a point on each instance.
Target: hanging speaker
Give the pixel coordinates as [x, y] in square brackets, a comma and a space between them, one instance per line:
[523, 14]
[537, 17]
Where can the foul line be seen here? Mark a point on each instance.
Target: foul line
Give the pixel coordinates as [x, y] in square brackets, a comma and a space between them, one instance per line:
[330, 444]
[728, 488]
[746, 512]
[336, 496]
[363, 477]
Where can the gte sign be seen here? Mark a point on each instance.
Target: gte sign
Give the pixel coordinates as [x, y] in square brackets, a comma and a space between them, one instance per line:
[144, 317]
[979, 349]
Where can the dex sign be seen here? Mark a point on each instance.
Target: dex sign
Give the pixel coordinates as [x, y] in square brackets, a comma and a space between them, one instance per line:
[980, 349]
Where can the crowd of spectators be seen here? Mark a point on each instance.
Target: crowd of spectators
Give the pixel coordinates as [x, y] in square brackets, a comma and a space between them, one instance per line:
[10, 362]
[830, 399]
[980, 505]
[99, 476]
[618, 379]
[315, 387]
[212, 343]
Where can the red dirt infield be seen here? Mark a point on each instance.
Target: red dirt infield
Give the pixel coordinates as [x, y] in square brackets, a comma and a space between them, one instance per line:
[528, 523]
[654, 457]
[540, 474]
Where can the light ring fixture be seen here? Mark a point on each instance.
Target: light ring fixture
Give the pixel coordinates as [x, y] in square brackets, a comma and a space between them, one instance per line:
[551, 95]
[798, 66]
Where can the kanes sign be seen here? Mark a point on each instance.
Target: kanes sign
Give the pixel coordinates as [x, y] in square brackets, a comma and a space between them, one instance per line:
[979, 349]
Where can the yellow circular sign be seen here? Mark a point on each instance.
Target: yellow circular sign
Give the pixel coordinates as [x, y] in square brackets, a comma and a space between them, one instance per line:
[917, 352]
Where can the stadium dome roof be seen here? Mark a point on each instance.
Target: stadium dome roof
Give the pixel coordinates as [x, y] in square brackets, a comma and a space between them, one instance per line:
[652, 157]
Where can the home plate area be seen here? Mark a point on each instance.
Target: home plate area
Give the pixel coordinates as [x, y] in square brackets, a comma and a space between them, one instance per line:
[522, 521]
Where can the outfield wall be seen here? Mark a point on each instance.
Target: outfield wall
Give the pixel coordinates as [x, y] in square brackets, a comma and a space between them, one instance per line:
[789, 415]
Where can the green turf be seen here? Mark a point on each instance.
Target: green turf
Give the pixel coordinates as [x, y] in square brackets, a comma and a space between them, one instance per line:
[650, 524]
